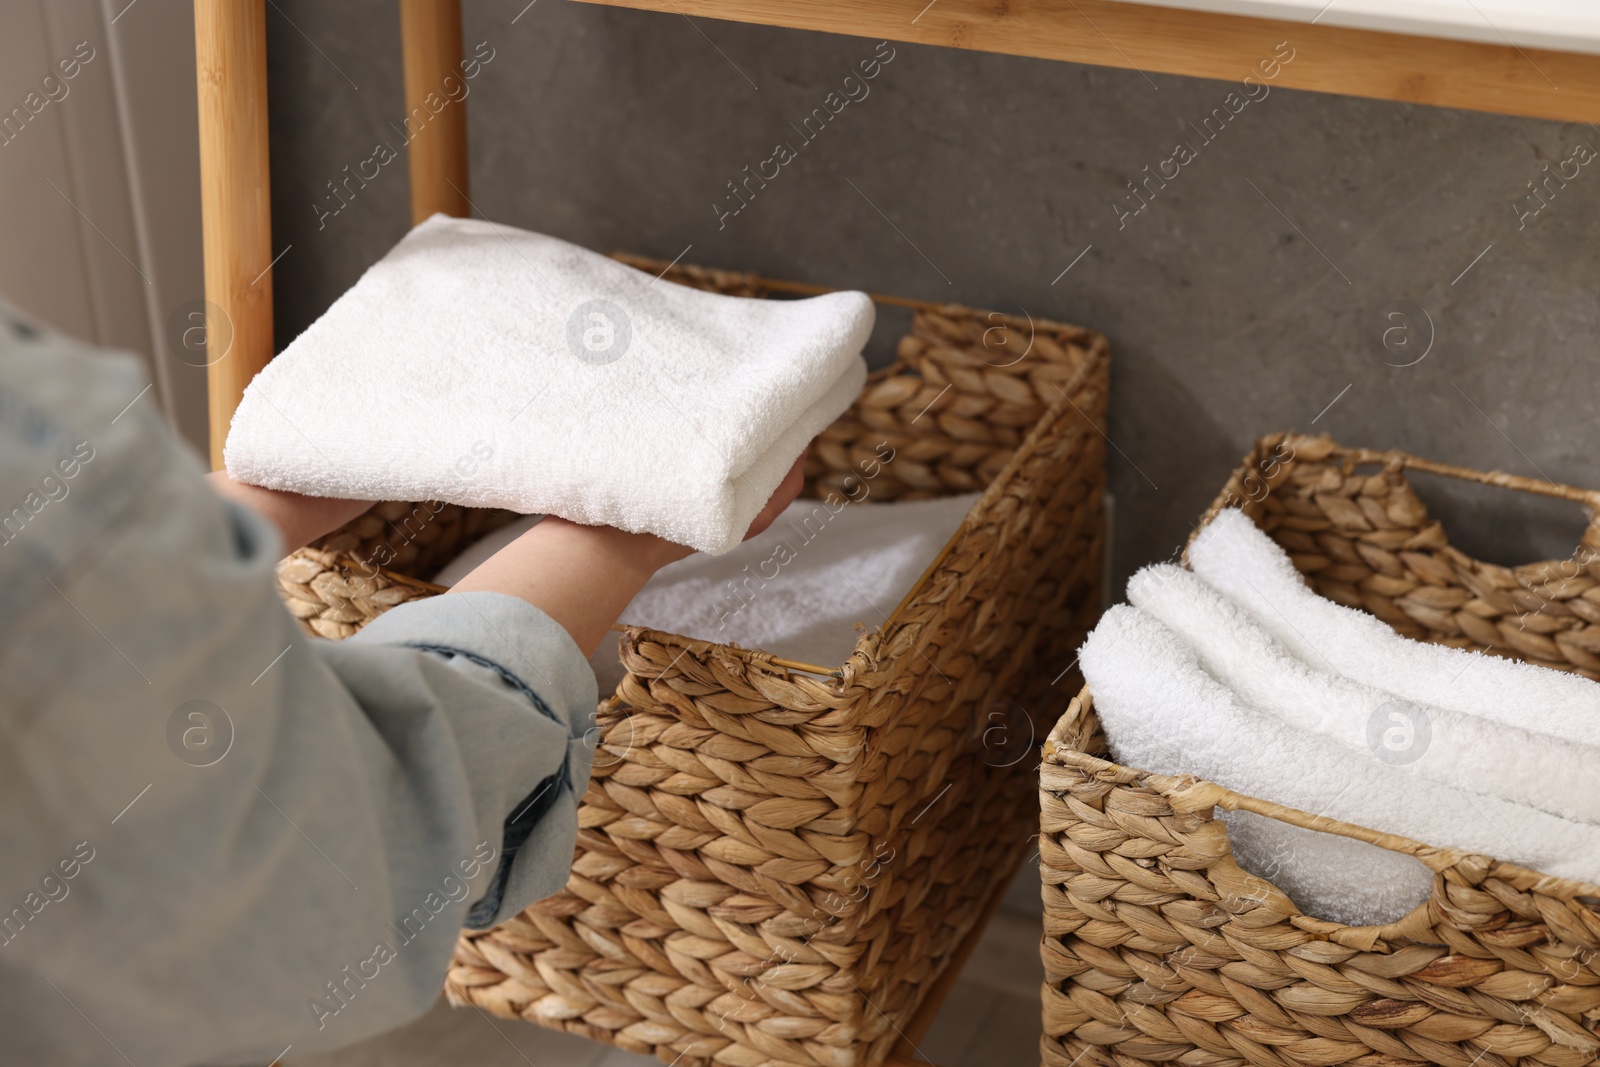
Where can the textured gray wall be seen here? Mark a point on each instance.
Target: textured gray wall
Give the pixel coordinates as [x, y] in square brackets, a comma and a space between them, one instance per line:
[1232, 310]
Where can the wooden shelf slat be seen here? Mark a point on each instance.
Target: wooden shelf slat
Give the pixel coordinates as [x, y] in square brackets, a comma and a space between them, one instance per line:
[1332, 59]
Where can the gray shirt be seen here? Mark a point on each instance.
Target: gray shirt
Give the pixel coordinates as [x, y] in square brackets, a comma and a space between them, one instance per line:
[220, 837]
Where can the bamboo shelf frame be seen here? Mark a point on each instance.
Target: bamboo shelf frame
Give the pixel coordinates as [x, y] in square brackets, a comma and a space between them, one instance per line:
[1503, 78]
[231, 52]
[230, 40]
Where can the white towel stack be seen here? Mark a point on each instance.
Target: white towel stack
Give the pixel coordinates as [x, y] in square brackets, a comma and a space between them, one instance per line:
[797, 590]
[484, 365]
[1239, 673]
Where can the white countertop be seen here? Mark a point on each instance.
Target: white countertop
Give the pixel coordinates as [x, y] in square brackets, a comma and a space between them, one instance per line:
[1559, 25]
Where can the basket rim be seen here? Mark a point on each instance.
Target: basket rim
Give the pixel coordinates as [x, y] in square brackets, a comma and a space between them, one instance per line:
[1098, 350]
[1394, 459]
[1095, 338]
[871, 639]
[348, 562]
[1054, 411]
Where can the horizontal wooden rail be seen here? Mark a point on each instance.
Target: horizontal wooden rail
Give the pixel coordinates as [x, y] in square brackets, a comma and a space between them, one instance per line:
[1332, 59]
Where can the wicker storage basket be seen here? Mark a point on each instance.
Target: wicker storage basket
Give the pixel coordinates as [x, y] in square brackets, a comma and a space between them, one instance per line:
[1159, 948]
[775, 863]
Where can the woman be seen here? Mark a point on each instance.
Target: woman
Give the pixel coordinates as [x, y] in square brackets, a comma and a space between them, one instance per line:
[222, 837]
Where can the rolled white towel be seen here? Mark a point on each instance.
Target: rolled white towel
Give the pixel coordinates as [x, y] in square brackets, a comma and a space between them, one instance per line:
[1163, 712]
[1240, 560]
[484, 365]
[1471, 755]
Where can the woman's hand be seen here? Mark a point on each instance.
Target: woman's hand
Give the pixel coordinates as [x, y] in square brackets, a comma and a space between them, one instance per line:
[584, 576]
[299, 519]
[781, 498]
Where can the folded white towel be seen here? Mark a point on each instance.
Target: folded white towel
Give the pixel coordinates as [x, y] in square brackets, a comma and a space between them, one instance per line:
[1237, 558]
[1463, 752]
[1163, 712]
[796, 590]
[484, 365]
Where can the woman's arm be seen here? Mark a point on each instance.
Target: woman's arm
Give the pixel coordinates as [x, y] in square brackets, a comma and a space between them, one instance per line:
[299, 519]
[299, 826]
[584, 576]
[581, 576]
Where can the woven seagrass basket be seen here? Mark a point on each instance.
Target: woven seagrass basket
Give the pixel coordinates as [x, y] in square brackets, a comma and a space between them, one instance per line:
[775, 861]
[1159, 948]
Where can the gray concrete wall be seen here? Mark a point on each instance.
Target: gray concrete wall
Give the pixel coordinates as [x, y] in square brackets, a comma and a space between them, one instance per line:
[1248, 296]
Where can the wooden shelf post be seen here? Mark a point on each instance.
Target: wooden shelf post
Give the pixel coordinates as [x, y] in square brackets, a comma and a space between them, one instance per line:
[430, 40]
[236, 210]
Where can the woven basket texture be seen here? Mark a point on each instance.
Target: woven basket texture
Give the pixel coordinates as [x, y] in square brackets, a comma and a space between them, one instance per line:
[1159, 948]
[774, 864]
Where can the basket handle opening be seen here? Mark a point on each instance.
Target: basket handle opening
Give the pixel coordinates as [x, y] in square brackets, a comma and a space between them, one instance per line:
[1272, 860]
[1189, 794]
[1547, 525]
[1396, 461]
[1065, 748]
[1077, 730]
[1226, 873]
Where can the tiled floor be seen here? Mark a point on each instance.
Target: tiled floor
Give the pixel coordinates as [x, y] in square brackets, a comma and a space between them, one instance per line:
[990, 1019]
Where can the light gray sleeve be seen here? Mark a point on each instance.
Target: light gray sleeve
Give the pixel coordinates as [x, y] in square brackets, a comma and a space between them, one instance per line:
[221, 837]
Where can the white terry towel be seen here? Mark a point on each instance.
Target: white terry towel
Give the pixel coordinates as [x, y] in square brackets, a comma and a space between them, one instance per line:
[1237, 558]
[484, 365]
[1461, 752]
[1163, 712]
[795, 590]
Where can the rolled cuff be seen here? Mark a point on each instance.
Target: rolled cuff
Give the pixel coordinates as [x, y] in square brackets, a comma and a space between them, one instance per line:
[534, 656]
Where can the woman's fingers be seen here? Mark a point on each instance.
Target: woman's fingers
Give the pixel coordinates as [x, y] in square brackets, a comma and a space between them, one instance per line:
[781, 497]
